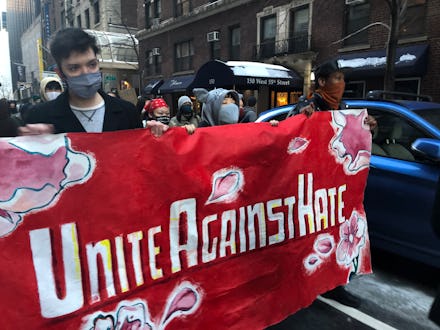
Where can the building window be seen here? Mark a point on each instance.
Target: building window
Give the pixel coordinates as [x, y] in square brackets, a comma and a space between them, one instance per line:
[153, 63]
[215, 49]
[87, 17]
[299, 30]
[234, 43]
[407, 85]
[354, 90]
[268, 35]
[357, 17]
[182, 7]
[153, 10]
[183, 56]
[413, 24]
[96, 12]
[78, 21]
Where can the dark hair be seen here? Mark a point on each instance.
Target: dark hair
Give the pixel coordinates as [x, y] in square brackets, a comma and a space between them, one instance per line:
[71, 39]
[251, 101]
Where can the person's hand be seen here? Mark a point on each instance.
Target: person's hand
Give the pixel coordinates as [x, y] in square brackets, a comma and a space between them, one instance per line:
[36, 129]
[190, 128]
[371, 121]
[274, 122]
[156, 128]
[308, 110]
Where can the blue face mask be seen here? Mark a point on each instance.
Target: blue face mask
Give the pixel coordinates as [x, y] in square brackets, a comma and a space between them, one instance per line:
[228, 114]
[186, 108]
[86, 85]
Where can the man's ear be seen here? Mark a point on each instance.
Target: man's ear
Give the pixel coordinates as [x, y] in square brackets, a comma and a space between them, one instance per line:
[321, 82]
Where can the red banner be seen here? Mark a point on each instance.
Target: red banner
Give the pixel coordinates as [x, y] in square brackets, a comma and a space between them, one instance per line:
[233, 227]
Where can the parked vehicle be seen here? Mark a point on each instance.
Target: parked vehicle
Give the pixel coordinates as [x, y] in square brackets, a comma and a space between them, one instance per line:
[402, 197]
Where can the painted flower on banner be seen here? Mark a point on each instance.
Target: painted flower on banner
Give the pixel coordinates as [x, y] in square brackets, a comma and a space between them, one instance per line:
[297, 145]
[323, 247]
[184, 300]
[352, 238]
[352, 142]
[55, 166]
[226, 185]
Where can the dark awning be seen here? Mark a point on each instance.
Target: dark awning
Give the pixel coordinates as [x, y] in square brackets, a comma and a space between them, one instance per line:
[410, 61]
[176, 84]
[152, 87]
[245, 74]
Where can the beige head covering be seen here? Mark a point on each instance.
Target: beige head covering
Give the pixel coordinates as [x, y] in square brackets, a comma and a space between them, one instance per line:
[43, 84]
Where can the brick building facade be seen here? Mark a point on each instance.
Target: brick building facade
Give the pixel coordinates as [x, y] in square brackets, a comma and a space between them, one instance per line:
[298, 34]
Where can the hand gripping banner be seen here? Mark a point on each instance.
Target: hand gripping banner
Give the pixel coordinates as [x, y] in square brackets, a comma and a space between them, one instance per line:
[233, 227]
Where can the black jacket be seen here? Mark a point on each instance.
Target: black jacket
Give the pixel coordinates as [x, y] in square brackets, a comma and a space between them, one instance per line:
[119, 115]
[318, 102]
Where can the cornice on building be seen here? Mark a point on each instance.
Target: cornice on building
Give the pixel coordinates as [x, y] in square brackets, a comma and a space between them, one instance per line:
[198, 13]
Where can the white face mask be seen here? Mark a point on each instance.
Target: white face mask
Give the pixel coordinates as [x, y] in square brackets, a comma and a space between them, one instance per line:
[52, 95]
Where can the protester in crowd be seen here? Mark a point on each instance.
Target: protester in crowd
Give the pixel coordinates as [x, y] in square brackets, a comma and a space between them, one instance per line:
[50, 88]
[83, 107]
[329, 88]
[8, 126]
[157, 110]
[185, 115]
[248, 113]
[220, 107]
[12, 107]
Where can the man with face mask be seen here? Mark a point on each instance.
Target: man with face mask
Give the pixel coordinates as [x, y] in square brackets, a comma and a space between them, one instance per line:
[50, 88]
[185, 113]
[83, 107]
[329, 89]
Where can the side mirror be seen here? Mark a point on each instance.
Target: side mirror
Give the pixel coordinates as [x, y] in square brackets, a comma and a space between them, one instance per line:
[428, 148]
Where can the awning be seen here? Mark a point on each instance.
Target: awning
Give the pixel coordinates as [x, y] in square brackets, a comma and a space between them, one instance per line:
[410, 61]
[152, 87]
[245, 74]
[176, 84]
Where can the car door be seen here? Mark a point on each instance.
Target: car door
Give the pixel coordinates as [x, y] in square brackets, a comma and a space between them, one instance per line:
[401, 189]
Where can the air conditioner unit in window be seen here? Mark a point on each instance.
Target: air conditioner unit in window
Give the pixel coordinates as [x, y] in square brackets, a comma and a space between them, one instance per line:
[155, 51]
[213, 36]
[353, 2]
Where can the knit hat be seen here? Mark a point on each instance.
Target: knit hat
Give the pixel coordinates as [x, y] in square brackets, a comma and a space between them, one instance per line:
[327, 68]
[182, 100]
[154, 104]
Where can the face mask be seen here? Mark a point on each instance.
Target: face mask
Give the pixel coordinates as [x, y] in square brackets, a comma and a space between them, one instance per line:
[228, 114]
[163, 119]
[85, 85]
[52, 95]
[186, 108]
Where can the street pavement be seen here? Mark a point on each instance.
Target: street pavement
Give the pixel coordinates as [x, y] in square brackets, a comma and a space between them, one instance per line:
[398, 295]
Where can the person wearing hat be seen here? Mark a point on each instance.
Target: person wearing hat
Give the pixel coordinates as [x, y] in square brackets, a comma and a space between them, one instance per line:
[185, 113]
[157, 110]
[329, 89]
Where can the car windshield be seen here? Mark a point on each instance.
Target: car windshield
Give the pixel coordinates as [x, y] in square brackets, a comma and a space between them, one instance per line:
[432, 116]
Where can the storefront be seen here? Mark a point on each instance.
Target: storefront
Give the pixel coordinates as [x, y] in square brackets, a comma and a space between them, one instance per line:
[174, 87]
[273, 85]
[366, 70]
[151, 89]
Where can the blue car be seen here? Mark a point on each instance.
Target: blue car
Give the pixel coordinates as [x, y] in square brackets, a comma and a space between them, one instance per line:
[402, 198]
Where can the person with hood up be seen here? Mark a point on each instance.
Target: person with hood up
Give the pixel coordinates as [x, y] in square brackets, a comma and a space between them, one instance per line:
[50, 88]
[157, 110]
[185, 113]
[220, 106]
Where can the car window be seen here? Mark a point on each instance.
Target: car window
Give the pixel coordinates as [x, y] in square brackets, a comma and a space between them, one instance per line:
[394, 135]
